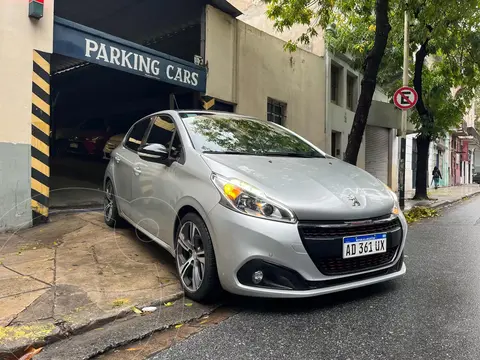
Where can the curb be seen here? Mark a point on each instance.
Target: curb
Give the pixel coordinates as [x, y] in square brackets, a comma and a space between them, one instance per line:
[446, 203]
[64, 331]
[116, 334]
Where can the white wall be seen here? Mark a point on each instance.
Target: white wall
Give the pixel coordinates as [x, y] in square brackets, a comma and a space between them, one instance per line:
[247, 66]
[408, 162]
[19, 36]
[221, 54]
[340, 118]
[254, 14]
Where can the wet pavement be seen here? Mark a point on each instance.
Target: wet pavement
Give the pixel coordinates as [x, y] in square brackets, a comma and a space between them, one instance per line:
[75, 273]
[442, 196]
[431, 313]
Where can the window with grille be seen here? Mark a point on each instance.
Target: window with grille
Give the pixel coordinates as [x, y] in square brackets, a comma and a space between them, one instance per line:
[334, 84]
[351, 84]
[276, 111]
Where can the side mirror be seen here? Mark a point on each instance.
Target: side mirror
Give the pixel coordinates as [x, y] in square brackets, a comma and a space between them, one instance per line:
[153, 152]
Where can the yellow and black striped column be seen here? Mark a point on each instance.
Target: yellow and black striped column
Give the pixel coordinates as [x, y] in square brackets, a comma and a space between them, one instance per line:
[40, 136]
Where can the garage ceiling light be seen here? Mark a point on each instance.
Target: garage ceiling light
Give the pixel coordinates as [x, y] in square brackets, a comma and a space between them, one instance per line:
[35, 9]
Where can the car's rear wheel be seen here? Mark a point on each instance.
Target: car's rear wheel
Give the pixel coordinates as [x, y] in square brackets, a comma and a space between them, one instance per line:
[110, 209]
[195, 259]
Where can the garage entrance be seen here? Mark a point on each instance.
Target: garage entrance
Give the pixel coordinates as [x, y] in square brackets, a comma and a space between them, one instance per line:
[100, 86]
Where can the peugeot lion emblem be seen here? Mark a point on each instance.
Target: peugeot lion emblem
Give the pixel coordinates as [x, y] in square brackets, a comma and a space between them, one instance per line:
[354, 200]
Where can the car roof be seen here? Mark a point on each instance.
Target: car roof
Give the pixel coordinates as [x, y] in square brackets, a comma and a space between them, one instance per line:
[206, 112]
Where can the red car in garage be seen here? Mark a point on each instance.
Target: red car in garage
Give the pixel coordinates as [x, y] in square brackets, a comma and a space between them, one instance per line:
[89, 138]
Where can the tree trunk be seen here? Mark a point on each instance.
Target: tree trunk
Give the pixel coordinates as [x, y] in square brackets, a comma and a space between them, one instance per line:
[369, 82]
[423, 140]
[421, 181]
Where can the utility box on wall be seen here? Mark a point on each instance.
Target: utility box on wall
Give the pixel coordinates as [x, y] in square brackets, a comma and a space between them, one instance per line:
[35, 9]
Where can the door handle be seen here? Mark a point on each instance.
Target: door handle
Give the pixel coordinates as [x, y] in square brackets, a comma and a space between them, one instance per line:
[137, 171]
[117, 159]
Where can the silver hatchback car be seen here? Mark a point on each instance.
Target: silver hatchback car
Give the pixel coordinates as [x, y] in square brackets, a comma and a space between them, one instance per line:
[251, 207]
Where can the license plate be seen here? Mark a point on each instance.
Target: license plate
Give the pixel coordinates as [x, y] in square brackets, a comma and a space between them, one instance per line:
[354, 246]
[74, 145]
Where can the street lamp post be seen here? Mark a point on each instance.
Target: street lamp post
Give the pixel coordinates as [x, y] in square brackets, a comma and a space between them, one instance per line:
[403, 128]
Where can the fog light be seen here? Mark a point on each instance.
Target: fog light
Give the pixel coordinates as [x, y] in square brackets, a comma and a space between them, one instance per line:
[257, 277]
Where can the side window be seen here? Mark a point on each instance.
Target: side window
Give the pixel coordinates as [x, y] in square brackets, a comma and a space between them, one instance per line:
[162, 131]
[135, 136]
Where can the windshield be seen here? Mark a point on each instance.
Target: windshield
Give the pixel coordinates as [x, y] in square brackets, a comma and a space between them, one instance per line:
[227, 134]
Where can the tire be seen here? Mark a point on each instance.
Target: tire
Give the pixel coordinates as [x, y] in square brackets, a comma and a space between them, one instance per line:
[190, 251]
[110, 210]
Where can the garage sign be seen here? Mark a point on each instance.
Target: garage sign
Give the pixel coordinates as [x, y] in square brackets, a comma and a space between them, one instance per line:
[80, 42]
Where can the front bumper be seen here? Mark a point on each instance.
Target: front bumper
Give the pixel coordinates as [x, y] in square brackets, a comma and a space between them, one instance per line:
[240, 240]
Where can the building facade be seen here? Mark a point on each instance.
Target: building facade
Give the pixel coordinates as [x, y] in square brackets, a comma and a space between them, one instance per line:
[70, 73]
[379, 150]
[250, 69]
[20, 36]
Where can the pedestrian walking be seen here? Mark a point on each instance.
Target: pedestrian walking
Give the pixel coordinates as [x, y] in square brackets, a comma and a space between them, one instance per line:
[437, 175]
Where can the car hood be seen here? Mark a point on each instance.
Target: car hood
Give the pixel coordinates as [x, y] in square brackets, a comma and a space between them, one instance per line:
[314, 188]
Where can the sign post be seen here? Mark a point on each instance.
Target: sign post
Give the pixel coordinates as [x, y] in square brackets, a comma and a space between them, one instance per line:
[404, 98]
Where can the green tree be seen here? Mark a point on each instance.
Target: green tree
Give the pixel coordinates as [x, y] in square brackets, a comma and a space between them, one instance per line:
[321, 13]
[445, 45]
[443, 33]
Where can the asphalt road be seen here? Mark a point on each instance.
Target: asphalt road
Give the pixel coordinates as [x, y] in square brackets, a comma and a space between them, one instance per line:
[431, 313]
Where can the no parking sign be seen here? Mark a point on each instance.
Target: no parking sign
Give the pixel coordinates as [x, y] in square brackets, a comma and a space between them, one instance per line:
[405, 98]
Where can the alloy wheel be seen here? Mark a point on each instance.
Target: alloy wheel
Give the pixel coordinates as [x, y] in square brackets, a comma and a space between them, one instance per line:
[108, 202]
[190, 256]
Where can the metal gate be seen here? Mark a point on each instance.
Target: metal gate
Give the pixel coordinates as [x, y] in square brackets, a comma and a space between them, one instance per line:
[376, 152]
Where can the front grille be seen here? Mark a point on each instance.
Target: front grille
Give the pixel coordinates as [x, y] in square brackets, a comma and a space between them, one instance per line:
[340, 266]
[324, 244]
[313, 231]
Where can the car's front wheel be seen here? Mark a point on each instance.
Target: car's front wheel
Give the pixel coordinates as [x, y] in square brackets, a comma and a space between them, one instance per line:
[195, 259]
[110, 209]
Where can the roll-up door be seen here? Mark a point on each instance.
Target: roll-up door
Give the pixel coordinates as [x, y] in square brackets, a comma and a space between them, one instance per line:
[376, 152]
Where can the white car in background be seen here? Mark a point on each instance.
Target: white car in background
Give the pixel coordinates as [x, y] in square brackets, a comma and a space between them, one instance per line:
[111, 145]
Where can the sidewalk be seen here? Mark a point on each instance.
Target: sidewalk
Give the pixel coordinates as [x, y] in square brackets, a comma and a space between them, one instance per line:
[73, 274]
[442, 196]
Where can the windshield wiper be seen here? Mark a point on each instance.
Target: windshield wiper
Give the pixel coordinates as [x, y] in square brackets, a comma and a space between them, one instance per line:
[295, 154]
[231, 152]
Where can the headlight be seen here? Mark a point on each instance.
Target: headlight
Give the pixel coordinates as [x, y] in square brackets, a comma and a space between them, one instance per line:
[244, 198]
[396, 207]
